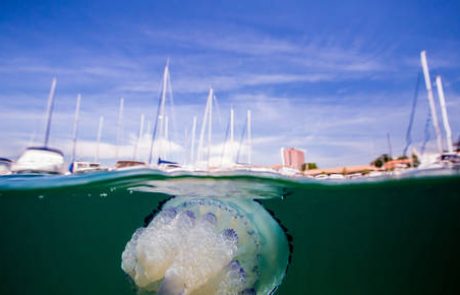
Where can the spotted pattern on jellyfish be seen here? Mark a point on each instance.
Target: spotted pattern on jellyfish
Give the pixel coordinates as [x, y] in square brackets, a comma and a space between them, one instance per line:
[208, 246]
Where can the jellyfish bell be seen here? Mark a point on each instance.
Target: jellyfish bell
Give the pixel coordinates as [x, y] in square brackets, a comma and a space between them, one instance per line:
[208, 246]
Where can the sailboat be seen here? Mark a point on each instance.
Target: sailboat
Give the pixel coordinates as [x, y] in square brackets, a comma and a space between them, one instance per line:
[203, 156]
[160, 130]
[448, 158]
[247, 165]
[77, 167]
[139, 137]
[248, 132]
[443, 158]
[227, 157]
[124, 164]
[43, 159]
[5, 166]
[192, 143]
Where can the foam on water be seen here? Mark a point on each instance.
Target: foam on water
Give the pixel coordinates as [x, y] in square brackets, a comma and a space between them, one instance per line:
[208, 246]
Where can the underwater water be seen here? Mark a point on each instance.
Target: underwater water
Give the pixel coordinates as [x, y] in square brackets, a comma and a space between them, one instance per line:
[137, 231]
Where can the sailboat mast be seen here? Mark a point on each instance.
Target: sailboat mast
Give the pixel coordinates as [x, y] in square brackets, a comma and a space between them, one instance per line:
[75, 127]
[249, 137]
[390, 150]
[445, 119]
[119, 127]
[148, 127]
[202, 131]
[192, 148]
[211, 97]
[99, 134]
[168, 145]
[163, 106]
[429, 89]
[160, 112]
[154, 133]
[49, 112]
[139, 136]
[232, 133]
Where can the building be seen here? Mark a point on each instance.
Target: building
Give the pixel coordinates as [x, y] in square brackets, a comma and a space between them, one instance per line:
[293, 158]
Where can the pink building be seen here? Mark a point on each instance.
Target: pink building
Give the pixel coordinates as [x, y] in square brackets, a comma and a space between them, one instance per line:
[293, 158]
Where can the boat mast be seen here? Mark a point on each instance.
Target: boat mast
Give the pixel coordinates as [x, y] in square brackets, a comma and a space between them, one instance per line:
[232, 134]
[249, 137]
[139, 136]
[211, 97]
[162, 109]
[147, 132]
[429, 89]
[192, 148]
[445, 119]
[160, 112]
[203, 128]
[390, 150]
[75, 127]
[166, 137]
[99, 134]
[148, 127]
[49, 112]
[119, 127]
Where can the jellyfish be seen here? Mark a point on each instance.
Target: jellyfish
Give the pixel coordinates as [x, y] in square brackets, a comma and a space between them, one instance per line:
[208, 246]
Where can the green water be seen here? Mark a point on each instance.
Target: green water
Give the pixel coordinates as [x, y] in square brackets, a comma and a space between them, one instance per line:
[66, 235]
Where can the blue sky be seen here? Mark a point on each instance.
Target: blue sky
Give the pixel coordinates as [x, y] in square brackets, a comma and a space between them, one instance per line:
[330, 77]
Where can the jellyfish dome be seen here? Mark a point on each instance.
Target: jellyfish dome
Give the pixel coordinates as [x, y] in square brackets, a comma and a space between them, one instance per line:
[208, 246]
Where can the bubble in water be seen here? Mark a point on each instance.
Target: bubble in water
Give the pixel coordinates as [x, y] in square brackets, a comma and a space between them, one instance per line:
[208, 246]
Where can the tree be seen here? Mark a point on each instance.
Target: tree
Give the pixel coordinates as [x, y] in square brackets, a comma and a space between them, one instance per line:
[312, 166]
[457, 144]
[415, 160]
[309, 166]
[381, 160]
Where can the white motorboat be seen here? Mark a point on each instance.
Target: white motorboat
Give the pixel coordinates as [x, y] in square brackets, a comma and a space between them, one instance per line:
[336, 176]
[40, 160]
[128, 164]
[78, 167]
[5, 166]
[321, 176]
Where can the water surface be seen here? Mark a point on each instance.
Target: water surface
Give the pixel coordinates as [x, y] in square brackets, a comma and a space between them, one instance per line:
[66, 234]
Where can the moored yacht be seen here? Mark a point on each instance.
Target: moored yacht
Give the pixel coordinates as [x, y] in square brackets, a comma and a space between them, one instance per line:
[5, 166]
[42, 159]
[128, 164]
[450, 160]
[166, 165]
[444, 158]
[78, 167]
[160, 134]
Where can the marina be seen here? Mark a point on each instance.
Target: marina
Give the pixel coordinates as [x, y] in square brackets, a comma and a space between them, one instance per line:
[51, 161]
[238, 148]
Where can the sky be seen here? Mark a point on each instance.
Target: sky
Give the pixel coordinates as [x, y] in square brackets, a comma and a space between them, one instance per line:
[333, 78]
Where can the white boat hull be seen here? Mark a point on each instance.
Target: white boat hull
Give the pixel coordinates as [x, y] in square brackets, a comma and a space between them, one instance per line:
[39, 160]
